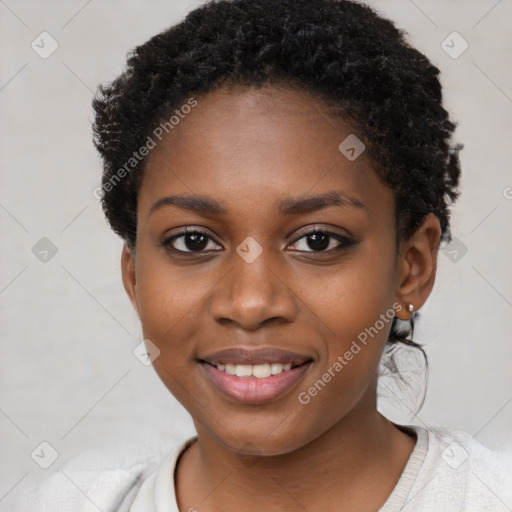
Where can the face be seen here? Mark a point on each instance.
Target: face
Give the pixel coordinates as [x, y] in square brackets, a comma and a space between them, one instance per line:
[242, 267]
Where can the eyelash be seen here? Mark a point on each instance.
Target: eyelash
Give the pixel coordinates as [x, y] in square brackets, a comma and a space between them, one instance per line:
[344, 241]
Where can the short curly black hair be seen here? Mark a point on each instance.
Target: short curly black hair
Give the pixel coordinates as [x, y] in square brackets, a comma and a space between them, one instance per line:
[341, 51]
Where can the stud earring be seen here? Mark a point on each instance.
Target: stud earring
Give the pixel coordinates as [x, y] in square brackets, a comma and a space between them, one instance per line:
[410, 307]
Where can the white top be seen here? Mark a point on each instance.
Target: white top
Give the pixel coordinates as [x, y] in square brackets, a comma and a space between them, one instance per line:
[448, 471]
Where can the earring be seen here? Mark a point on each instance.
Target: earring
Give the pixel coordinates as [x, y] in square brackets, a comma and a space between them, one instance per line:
[410, 307]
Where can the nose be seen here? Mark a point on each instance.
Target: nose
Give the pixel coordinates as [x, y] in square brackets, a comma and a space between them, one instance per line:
[252, 295]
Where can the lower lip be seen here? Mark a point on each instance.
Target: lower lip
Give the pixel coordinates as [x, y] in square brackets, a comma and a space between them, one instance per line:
[251, 390]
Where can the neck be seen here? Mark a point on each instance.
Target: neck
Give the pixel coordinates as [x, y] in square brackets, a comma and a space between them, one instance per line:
[354, 465]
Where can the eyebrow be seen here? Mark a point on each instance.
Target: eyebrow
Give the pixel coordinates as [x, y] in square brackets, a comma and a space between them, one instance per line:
[286, 207]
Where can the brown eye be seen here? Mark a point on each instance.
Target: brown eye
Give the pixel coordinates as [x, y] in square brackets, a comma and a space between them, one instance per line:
[189, 241]
[318, 241]
[323, 241]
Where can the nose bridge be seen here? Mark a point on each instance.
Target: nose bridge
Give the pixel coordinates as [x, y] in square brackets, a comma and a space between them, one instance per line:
[252, 291]
[252, 279]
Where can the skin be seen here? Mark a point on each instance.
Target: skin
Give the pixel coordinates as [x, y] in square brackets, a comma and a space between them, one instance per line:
[248, 149]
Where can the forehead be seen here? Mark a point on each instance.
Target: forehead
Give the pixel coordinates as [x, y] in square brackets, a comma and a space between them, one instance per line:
[255, 146]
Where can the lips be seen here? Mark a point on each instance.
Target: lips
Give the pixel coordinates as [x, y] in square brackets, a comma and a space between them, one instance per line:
[242, 356]
[254, 376]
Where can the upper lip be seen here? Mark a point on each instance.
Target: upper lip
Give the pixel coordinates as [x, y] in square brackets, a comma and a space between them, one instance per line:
[253, 356]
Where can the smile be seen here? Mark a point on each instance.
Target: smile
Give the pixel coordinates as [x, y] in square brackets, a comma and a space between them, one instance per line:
[260, 371]
[254, 384]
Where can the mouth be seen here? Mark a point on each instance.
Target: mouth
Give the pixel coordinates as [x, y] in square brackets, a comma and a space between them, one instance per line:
[258, 371]
[241, 356]
[254, 376]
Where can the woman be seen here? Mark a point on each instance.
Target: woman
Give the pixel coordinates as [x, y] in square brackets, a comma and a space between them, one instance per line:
[281, 174]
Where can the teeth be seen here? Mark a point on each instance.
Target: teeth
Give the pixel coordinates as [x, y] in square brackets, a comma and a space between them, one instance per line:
[230, 369]
[276, 368]
[243, 370]
[260, 371]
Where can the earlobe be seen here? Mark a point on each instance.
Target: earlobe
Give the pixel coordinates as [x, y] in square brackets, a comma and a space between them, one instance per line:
[128, 275]
[418, 265]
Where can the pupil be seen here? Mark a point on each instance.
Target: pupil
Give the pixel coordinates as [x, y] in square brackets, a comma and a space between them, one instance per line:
[320, 241]
[316, 241]
[196, 241]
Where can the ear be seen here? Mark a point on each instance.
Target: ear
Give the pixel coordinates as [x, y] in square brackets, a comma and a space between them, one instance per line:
[417, 265]
[128, 274]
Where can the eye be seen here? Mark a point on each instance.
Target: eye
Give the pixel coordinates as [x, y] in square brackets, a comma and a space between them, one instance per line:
[322, 240]
[194, 240]
[190, 240]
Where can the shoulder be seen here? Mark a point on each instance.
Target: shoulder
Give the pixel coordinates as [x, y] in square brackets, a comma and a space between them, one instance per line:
[99, 478]
[459, 471]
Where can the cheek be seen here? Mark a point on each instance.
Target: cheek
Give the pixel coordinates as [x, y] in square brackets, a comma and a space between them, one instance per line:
[355, 337]
[353, 310]
[168, 304]
[349, 298]
[168, 315]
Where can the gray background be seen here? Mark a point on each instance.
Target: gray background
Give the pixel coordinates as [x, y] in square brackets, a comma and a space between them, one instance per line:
[68, 375]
